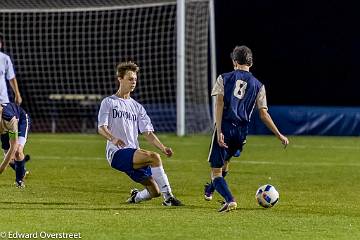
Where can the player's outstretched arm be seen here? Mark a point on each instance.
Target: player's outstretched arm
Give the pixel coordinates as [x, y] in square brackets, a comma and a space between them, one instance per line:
[267, 120]
[154, 140]
[10, 154]
[104, 131]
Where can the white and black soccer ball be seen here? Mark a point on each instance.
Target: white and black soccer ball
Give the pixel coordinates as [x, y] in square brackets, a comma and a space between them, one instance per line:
[267, 196]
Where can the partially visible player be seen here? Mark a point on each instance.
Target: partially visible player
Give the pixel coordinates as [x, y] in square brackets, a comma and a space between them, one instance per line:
[15, 122]
[237, 93]
[120, 120]
[7, 74]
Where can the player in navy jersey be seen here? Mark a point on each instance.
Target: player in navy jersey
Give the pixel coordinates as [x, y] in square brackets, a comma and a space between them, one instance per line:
[121, 118]
[15, 122]
[237, 93]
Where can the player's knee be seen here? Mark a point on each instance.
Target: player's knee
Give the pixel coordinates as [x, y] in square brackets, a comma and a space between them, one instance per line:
[155, 157]
[216, 172]
[19, 156]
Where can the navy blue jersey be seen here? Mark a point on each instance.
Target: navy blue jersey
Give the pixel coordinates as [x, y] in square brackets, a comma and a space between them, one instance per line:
[240, 91]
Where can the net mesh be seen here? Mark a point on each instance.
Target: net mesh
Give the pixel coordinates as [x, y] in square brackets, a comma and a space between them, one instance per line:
[66, 57]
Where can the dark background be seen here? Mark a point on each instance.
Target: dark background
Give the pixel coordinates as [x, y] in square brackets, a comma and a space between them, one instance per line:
[305, 52]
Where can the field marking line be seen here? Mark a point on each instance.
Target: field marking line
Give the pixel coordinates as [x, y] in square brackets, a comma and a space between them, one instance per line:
[290, 163]
[298, 146]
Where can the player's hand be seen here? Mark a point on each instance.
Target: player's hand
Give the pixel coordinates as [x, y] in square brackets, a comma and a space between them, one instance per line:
[18, 99]
[284, 140]
[117, 142]
[221, 141]
[168, 151]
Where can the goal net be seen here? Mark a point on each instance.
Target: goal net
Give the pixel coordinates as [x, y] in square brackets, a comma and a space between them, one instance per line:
[65, 55]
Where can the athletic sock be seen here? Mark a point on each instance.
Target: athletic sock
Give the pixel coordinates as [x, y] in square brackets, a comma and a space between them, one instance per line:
[162, 181]
[143, 195]
[12, 165]
[19, 170]
[212, 187]
[222, 188]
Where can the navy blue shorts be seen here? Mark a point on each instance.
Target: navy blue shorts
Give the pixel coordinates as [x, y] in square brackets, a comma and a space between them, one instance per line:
[123, 161]
[234, 137]
[24, 124]
[23, 128]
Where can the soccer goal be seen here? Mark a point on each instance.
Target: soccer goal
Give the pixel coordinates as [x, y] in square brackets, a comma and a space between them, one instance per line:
[65, 54]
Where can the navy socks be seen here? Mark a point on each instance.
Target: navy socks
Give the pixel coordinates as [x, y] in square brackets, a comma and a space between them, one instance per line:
[19, 170]
[12, 165]
[212, 187]
[222, 188]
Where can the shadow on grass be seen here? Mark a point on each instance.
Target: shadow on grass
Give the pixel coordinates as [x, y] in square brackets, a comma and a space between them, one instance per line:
[67, 206]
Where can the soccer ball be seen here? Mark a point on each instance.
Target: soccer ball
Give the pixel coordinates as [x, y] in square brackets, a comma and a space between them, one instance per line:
[267, 196]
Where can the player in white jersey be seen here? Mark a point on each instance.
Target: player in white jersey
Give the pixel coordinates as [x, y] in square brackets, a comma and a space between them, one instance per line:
[7, 74]
[120, 120]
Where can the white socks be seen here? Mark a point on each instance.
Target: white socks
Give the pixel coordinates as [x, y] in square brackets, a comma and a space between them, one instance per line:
[142, 196]
[162, 181]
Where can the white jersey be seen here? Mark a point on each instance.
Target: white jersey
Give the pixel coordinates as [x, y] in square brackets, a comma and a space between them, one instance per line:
[6, 73]
[124, 119]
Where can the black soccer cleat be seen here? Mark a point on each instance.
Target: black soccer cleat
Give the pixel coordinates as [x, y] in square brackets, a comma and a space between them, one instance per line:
[172, 201]
[133, 193]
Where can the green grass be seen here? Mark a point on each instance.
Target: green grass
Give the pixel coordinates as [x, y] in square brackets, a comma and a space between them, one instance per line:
[73, 189]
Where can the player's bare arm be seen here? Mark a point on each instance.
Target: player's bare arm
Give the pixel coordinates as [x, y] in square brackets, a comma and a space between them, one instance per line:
[15, 88]
[11, 153]
[219, 108]
[267, 120]
[104, 131]
[154, 140]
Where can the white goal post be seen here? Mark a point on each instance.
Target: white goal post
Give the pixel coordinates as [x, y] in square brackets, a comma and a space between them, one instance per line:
[66, 52]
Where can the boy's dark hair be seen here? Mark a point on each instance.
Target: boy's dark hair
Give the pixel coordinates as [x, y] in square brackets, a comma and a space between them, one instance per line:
[242, 55]
[123, 67]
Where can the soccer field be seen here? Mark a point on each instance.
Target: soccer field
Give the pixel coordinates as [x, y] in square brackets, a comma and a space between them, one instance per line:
[72, 189]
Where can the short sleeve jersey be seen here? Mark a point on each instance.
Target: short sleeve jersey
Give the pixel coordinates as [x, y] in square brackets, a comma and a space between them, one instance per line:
[125, 118]
[241, 91]
[6, 73]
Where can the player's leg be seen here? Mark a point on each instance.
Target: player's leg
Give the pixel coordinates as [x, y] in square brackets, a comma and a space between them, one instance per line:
[236, 140]
[123, 161]
[5, 145]
[232, 151]
[209, 188]
[148, 158]
[19, 164]
[150, 191]
[222, 188]
[217, 160]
